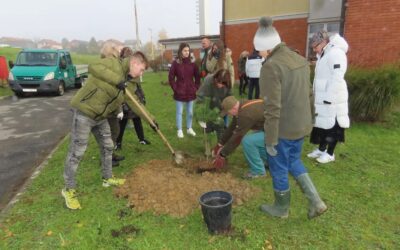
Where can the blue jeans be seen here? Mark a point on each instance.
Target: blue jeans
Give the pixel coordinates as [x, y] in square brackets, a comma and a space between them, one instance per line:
[179, 112]
[254, 151]
[288, 160]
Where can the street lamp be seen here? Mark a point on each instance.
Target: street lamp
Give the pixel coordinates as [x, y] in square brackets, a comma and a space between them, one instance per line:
[151, 44]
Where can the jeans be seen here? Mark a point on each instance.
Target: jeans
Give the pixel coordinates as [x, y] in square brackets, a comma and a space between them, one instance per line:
[81, 128]
[287, 160]
[189, 114]
[254, 85]
[254, 151]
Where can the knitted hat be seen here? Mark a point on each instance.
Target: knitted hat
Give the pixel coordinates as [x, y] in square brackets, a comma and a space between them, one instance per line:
[319, 37]
[227, 104]
[266, 37]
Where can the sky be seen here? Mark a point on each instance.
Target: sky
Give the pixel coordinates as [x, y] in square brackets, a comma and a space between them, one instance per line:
[103, 19]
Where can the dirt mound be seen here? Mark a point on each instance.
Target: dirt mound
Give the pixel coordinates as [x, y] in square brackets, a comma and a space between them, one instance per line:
[163, 188]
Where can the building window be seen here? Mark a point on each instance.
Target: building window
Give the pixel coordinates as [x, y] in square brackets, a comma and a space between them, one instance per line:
[331, 27]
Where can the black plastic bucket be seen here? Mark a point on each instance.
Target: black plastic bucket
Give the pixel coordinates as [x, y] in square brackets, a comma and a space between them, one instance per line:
[216, 207]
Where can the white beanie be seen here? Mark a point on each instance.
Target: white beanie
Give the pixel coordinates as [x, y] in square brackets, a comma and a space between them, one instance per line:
[266, 37]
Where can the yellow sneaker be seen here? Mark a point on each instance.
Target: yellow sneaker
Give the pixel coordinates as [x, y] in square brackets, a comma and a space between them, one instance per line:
[70, 198]
[113, 182]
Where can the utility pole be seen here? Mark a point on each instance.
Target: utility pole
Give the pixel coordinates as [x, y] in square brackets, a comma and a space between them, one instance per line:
[151, 44]
[138, 43]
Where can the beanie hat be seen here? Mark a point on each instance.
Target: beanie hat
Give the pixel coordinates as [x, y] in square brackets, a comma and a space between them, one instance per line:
[227, 104]
[319, 37]
[266, 37]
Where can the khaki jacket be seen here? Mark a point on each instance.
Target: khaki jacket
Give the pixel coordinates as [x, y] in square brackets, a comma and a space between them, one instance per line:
[286, 89]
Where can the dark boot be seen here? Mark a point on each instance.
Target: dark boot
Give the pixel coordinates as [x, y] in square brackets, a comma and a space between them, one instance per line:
[316, 205]
[115, 163]
[116, 157]
[281, 205]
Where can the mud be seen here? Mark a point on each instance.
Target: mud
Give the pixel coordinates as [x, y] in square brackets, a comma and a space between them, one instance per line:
[161, 187]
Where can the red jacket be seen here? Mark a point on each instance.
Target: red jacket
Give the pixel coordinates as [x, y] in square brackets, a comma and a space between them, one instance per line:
[184, 79]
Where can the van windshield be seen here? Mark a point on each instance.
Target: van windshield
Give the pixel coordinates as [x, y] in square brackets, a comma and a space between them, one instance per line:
[37, 59]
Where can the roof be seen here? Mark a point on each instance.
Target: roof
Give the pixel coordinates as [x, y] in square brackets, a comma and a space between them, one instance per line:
[189, 38]
[45, 50]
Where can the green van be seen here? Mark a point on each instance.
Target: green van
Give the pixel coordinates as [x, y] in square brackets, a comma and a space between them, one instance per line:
[44, 71]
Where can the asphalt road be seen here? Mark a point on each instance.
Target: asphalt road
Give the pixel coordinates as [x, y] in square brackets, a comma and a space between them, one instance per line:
[29, 130]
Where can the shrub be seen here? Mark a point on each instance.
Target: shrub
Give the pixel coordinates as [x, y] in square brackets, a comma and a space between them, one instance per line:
[372, 92]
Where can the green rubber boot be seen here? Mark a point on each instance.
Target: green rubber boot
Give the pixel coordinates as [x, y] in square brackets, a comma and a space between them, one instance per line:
[281, 205]
[316, 205]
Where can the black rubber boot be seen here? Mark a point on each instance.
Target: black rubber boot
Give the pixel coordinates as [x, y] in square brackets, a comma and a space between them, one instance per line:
[118, 157]
[316, 205]
[280, 208]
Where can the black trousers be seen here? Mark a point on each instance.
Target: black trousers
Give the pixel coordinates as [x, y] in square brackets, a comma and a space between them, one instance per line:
[137, 123]
[254, 85]
[243, 84]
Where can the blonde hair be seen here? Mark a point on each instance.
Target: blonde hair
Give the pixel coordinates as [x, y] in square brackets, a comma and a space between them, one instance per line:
[110, 49]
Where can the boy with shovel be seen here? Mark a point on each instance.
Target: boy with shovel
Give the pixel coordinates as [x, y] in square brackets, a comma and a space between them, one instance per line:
[103, 93]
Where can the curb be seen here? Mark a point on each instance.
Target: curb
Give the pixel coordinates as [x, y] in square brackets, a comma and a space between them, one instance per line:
[24, 186]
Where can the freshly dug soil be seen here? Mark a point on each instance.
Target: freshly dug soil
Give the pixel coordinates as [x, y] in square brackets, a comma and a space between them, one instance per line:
[164, 188]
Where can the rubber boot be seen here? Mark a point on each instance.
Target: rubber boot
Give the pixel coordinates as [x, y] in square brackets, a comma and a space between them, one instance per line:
[316, 205]
[281, 205]
[116, 157]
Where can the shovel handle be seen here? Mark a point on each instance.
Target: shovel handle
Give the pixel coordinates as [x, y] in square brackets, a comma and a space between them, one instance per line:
[148, 118]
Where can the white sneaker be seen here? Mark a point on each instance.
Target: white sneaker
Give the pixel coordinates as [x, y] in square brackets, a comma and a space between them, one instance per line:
[316, 153]
[180, 133]
[325, 158]
[191, 132]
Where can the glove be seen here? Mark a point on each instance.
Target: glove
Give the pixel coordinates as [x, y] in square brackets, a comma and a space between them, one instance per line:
[156, 127]
[203, 124]
[271, 150]
[120, 115]
[122, 86]
[216, 150]
[219, 162]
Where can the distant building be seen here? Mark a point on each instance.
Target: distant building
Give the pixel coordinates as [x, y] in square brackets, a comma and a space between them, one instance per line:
[17, 42]
[48, 44]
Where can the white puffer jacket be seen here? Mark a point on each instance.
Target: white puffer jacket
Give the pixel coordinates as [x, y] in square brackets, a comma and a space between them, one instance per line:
[330, 89]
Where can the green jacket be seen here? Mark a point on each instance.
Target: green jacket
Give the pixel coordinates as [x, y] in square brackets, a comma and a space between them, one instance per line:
[100, 97]
[250, 117]
[286, 89]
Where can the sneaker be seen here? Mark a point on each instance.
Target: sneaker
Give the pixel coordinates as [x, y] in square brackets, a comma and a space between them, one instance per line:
[113, 182]
[70, 198]
[315, 154]
[191, 132]
[180, 133]
[144, 142]
[251, 176]
[325, 158]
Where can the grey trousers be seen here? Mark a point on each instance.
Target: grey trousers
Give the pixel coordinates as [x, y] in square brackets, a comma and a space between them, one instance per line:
[81, 128]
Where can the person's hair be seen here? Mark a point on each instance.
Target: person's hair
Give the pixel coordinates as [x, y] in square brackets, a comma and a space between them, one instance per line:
[221, 48]
[139, 56]
[224, 77]
[179, 57]
[109, 49]
[126, 52]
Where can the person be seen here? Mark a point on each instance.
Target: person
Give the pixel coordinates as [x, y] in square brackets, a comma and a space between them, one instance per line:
[330, 91]
[253, 68]
[215, 88]
[184, 79]
[206, 46]
[243, 81]
[128, 113]
[112, 50]
[218, 59]
[285, 89]
[102, 94]
[247, 115]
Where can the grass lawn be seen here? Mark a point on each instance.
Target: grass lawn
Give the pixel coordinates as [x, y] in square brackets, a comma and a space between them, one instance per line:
[360, 188]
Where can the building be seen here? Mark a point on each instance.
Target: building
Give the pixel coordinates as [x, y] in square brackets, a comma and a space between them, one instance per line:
[371, 27]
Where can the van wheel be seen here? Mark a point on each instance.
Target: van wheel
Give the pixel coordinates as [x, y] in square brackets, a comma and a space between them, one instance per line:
[61, 89]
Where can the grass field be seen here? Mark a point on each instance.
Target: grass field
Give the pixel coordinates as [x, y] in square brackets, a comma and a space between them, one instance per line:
[361, 190]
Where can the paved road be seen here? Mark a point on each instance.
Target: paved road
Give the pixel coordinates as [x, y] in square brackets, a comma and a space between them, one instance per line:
[29, 130]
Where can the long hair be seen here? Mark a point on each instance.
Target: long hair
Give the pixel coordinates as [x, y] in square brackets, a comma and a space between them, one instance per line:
[179, 57]
[224, 77]
[126, 52]
[222, 57]
[109, 49]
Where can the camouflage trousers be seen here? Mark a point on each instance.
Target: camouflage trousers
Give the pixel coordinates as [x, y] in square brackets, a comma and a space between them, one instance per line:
[80, 133]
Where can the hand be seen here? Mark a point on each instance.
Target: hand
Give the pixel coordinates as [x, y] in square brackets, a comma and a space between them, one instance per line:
[216, 150]
[122, 86]
[271, 150]
[203, 124]
[156, 127]
[219, 162]
[120, 115]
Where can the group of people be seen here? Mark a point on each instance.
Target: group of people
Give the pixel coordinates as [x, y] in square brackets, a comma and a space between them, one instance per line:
[289, 108]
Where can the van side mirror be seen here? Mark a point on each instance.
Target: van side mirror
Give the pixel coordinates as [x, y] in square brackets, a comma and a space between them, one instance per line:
[63, 64]
[10, 64]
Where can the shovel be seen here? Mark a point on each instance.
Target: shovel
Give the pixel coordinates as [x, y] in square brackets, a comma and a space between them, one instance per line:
[178, 157]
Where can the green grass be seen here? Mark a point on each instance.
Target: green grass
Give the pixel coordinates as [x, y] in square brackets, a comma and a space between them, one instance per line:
[361, 189]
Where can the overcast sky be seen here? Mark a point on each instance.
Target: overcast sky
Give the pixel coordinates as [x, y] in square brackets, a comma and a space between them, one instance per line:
[102, 19]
